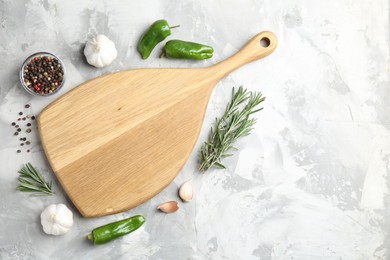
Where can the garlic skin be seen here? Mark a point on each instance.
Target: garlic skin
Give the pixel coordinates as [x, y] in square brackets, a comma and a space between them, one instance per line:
[56, 219]
[169, 207]
[186, 191]
[100, 51]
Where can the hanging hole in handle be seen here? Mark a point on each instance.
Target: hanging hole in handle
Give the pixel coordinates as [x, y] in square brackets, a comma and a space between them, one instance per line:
[265, 42]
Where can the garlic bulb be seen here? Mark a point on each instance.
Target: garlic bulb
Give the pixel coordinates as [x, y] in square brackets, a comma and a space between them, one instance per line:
[100, 51]
[186, 191]
[56, 219]
[169, 207]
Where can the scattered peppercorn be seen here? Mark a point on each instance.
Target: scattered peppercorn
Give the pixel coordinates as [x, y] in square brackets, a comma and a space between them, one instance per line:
[20, 113]
[43, 74]
[28, 129]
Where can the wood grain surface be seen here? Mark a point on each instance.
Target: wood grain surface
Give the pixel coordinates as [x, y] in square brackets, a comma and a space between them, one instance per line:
[117, 140]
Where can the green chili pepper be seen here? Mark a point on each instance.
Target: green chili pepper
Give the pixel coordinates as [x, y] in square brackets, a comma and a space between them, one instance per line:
[106, 233]
[187, 50]
[156, 33]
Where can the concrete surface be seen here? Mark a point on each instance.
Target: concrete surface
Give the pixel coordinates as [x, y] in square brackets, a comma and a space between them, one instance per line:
[311, 182]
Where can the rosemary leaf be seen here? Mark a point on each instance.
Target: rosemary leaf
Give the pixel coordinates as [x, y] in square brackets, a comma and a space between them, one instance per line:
[219, 165]
[31, 180]
[234, 124]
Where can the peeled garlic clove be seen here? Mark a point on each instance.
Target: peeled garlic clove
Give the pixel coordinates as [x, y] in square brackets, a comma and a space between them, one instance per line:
[186, 191]
[169, 207]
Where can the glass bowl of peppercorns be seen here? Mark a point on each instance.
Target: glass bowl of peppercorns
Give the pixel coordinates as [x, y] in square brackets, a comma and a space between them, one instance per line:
[42, 74]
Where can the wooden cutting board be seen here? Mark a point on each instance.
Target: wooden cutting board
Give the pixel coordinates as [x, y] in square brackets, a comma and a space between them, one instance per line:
[117, 140]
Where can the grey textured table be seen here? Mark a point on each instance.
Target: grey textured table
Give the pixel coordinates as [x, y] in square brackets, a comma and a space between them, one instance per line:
[311, 182]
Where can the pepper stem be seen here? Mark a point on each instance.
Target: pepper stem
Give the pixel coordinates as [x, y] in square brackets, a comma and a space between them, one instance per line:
[162, 55]
[175, 26]
[90, 237]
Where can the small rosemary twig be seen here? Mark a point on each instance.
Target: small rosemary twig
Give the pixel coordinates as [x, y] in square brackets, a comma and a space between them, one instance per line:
[234, 123]
[31, 180]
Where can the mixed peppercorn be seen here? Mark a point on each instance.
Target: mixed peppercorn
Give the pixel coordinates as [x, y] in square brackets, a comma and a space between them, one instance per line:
[43, 74]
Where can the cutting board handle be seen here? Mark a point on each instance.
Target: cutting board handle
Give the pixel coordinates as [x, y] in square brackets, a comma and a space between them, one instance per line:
[258, 47]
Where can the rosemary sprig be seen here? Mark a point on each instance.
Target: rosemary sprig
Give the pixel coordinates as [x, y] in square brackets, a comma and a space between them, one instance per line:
[31, 180]
[234, 123]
